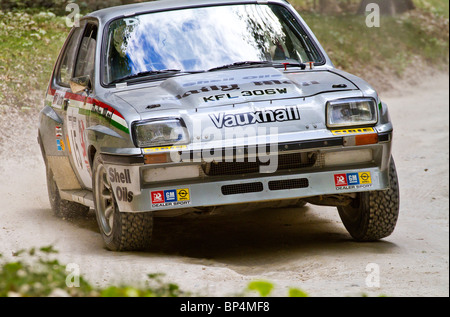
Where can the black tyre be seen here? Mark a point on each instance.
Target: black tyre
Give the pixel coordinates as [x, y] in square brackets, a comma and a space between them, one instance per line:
[62, 207]
[121, 231]
[373, 215]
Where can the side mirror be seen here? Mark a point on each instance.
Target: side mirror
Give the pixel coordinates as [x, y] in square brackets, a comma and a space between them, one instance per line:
[79, 84]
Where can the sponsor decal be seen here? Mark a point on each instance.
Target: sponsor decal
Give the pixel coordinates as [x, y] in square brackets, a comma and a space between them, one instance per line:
[352, 131]
[105, 112]
[60, 145]
[58, 99]
[163, 149]
[273, 82]
[170, 197]
[157, 197]
[224, 88]
[183, 194]
[278, 82]
[123, 193]
[119, 177]
[352, 180]
[230, 91]
[58, 131]
[364, 178]
[68, 144]
[246, 93]
[76, 131]
[264, 116]
[264, 77]
[340, 180]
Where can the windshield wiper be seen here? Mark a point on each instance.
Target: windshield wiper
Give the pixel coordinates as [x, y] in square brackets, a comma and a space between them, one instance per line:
[259, 63]
[242, 64]
[145, 74]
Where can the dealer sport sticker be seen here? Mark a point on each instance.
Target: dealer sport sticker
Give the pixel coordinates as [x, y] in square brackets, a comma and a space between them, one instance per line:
[170, 197]
[352, 180]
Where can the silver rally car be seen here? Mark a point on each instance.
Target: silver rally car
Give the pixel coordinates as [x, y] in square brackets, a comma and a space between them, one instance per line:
[167, 107]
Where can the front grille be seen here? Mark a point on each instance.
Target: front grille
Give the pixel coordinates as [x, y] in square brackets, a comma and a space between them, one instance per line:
[285, 162]
[242, 188]
[289, 184]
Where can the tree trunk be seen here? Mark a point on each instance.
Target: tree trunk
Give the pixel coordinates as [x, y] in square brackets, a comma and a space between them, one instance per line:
[329, 7]
[388, 7]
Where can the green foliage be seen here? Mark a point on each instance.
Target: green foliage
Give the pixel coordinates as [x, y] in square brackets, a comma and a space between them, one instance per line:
[390, 49]
[58, 7]
[436, 7]
[262, 287]
[295, 292]
[401, 41]
[165, 290]
[36, 274]
[156, 287]
[29, 46]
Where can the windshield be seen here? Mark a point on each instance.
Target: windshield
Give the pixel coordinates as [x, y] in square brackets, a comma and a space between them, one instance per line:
[200, 39]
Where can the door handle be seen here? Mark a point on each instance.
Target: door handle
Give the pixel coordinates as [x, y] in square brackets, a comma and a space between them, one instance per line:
[66, 103]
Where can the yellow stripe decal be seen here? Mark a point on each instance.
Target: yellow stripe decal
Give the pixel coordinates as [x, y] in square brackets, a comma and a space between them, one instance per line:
[352, 131]
[163, 149]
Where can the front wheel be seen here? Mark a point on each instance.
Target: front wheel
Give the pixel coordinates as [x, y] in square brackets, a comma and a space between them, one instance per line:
[121, 231]
[373, 215]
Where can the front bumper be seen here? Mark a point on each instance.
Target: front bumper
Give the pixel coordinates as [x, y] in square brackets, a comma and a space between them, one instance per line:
[134, 194]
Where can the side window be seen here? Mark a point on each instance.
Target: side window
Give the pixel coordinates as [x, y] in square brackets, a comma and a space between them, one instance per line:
[85, 64]
[66, 66]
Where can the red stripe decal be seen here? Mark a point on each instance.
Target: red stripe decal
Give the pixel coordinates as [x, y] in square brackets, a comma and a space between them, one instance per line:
[98, 103]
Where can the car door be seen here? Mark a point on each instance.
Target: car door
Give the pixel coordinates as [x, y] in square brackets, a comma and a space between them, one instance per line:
[52, 131]
[79, 104]
[77, 60]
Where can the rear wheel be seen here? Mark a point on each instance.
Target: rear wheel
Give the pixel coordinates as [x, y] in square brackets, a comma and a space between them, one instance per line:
[373, 215]
[61, 207]
[121, 231]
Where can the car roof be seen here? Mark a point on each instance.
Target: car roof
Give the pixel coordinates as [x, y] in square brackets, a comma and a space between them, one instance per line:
[107, 14]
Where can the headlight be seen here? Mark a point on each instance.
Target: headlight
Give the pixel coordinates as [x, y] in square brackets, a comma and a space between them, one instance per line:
[351, 112]
[160, 132]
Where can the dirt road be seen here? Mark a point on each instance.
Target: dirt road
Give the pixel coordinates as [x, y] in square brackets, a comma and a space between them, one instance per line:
[307, 248]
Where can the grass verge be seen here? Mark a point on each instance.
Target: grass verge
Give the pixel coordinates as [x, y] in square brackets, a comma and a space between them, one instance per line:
[402, 46]
[29, 45]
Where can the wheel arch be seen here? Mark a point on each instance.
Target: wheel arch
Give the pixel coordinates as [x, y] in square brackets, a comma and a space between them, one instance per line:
[91, 154]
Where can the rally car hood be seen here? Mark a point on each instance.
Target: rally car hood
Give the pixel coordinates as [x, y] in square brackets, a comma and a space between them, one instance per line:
[235, 87]
[212, 105]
